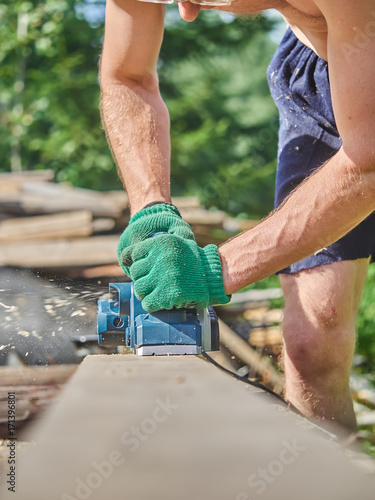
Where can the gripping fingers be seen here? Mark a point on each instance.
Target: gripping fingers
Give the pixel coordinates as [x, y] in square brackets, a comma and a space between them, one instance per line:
[126, 256]
[140, 269]
[152, 302]
[134, 253]
[143, 287]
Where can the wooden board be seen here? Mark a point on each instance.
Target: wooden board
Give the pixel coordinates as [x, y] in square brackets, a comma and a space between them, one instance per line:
[199, 216]
[34, 388]
[40, 198]
[186, 202]
[177, 428]
[36, 375]
[61, 253]
[15, 180]
[31, 401]
[65, 225]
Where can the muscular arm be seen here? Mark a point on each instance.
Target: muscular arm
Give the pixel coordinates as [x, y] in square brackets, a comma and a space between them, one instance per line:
[340, 194]
[134, 115]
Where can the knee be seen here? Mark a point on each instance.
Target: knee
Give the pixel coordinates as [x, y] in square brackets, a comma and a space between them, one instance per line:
[319, 346]
[319, 312]
[319, 318]
[318, 322]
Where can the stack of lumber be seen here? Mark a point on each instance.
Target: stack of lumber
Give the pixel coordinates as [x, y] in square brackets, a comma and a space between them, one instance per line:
[255, 319]
[34, 387]
[45, 225]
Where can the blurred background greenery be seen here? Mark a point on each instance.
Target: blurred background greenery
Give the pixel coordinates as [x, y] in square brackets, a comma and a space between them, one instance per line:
[212, 76]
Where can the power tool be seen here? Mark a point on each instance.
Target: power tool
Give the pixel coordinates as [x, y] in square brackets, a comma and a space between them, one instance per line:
[122, 321]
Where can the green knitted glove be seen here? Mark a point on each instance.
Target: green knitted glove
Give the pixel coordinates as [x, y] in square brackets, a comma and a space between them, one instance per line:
[158, 218]
[170, 271]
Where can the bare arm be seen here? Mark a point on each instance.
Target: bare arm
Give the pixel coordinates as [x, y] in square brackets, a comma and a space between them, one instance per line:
[134, 115]
[340, 194]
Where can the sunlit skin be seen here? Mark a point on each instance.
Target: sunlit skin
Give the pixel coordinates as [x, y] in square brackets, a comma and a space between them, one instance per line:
[319, 324]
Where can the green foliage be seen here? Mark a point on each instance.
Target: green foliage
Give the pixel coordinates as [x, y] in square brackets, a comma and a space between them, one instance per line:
[213, 78]
[49, 93]
[223, 121]
[368, 447]
[366, 318]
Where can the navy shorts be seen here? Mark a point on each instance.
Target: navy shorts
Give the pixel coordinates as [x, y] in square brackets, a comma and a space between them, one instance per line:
[308, 137]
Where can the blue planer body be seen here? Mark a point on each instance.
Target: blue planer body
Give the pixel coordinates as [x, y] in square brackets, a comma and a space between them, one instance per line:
[122, 321]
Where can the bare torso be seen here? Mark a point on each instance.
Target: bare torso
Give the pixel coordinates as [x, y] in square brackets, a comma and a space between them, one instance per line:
[308, 24]
[304, 18]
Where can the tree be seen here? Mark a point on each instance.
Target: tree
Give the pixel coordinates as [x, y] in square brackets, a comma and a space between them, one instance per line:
[213, 78]
[49, 93]
[223, 121]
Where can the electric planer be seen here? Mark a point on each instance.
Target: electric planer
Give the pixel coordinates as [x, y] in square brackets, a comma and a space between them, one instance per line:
[121, 321]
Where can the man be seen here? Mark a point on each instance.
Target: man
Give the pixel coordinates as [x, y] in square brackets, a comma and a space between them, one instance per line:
[326, 122]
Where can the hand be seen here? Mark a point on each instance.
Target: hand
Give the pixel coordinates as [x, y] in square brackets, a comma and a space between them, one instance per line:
[170, 271]
[158, 218]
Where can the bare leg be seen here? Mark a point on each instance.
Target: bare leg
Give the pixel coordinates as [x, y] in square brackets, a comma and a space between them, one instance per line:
[319, 336]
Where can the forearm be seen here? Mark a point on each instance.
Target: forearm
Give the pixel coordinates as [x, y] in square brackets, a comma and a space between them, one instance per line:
[136, 122]
[324, 208]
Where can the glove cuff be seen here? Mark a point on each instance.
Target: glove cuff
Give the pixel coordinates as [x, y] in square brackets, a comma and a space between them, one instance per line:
[214, 274]
[155, 208]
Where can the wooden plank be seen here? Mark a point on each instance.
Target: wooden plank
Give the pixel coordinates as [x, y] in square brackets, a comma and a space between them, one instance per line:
[112, 270]
[367, 418]
[103, 225]
[199, 216]
[262, 337]
[34, 388]
[36, 375]
[167, 428]
[44, 227]
[366, 397]
[40, 198]
[263, 316]
[241, 349]
[14, 181]
[31, 401]
[182, 202]
[256, 295]
[61, 253]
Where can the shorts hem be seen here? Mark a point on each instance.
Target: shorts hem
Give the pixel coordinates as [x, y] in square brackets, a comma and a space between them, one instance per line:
[302, 266]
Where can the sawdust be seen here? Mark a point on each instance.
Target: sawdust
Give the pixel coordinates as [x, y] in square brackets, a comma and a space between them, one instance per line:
[43, 317]
[24, 333]
[11, 308]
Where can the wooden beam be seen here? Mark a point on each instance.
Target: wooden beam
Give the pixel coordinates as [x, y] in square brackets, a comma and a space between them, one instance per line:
[163, 428]
[14, 181]
[41, 198]
[36, 375]
[182, 202]
[257, 295]
[34, 388]
[199, 216]
[241, 349]
[61, 253]
[31, 400]
[44, 227]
